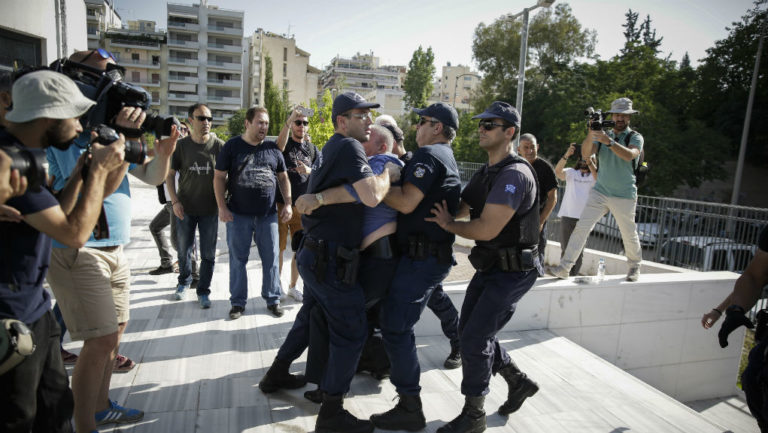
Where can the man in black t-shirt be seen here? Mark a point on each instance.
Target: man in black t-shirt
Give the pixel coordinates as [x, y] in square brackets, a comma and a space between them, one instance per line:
[299, 155]
[328, 260]
[248, 171]
[529, 149]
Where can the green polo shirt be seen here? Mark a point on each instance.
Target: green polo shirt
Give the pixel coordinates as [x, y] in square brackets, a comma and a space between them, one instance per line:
[616, 177]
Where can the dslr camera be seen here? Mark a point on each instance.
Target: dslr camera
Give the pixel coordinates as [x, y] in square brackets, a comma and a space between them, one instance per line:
[111, 94]
[30, 162]
[596, 120]
[135, 151]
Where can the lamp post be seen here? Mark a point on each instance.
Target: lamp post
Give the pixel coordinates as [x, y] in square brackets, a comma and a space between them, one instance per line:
[456, 85]
[523, 53]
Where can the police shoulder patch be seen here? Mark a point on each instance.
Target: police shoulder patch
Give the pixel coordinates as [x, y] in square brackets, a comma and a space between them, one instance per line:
[419, 171]
[510, 189]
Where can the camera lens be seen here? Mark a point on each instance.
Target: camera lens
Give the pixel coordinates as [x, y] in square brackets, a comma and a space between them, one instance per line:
[30, 163]
[135, 152]
[158, 125]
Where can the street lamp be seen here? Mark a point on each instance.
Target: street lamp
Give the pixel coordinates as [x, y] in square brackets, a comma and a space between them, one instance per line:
[523, 52]
[456, 86]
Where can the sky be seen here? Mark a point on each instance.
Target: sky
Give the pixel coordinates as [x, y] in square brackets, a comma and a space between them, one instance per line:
[394, 29]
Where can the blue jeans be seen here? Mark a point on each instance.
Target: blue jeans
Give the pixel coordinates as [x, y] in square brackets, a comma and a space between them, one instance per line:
[208, 226]
[263, 231]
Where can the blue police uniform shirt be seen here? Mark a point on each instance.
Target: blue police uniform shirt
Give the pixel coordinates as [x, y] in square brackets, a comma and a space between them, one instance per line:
[24, 257]
[117, 206]
[373, 218]
[341, 161]
[294, 152]
[252, 175]
[434, 172]
[515, 187]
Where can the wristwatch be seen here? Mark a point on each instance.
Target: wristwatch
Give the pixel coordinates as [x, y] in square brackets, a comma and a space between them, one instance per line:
[610, 143]
[319, 198]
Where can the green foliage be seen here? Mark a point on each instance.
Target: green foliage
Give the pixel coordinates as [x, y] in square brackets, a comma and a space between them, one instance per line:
[465, 146]
[320, 124]
[236, 123]
[418, 81]
[275, 100]
[223, 133]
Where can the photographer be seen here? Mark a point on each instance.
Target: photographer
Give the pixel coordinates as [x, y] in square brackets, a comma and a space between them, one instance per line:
[615, 190]
[36, 393]
[579, 181]
[92, 284]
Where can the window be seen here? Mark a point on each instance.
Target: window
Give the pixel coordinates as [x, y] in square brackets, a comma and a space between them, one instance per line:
[285, 54]
[155, 60]
[135, 76]
[285, 69]
[135, 57]
[155, 78]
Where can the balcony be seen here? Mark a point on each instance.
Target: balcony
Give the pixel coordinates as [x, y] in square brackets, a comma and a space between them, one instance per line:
[130, 63]
[146, 83]
[223, 83]
[182, 61]
[229, 31]
[188, 27]
[229, 100]
[177, 79]
[186, 97]
[153, 45]
[226, 48]
[224, 65]
[178, 43]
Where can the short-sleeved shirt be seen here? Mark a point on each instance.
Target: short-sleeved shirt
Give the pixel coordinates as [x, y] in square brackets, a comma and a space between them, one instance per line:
[195, 162]
[515, 187]
[117, 206]
[341, 161]
[547, 179]
[382, 214]
[25, 254]
[294, 151]
[434, 172]
[252, 172]
[616, 177]
[577, 187]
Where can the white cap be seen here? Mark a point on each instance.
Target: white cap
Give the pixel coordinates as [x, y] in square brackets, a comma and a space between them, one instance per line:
[46, 94]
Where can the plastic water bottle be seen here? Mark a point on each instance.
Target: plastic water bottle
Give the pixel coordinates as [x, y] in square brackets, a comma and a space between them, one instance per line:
[600, 270]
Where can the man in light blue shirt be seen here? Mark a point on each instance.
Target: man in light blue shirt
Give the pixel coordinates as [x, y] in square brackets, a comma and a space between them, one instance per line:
[617, 151]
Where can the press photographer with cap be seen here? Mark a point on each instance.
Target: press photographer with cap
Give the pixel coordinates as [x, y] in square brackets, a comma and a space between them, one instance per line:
[36, 392]
[617, 152]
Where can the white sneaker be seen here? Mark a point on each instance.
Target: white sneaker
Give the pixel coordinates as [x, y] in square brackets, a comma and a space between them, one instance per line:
[296, 294]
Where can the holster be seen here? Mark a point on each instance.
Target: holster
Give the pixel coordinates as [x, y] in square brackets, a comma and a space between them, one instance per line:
[347, 264]
[420, 248]
[319, 248]
[16, 343]
[509, 259]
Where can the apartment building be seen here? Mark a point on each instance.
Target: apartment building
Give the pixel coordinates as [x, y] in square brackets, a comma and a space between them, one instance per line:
[205, 59]
[100, 17]
[362, 74]
[290, 68]
[142, 50]
[455, 86]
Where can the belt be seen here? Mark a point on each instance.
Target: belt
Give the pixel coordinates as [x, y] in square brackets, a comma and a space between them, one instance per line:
[108, 249]
[382, 248]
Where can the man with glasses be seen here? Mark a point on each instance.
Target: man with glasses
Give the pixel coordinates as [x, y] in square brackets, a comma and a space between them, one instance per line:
[430, 177]
[328, 260]
[299, 155]
[194, 204]
[501, 201]
[249, 170]
[92, 284]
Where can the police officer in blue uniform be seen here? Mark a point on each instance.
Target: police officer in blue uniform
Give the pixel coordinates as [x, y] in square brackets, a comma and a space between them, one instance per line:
[328, 259]
[502, 202]
[430, 177]
[746, 292]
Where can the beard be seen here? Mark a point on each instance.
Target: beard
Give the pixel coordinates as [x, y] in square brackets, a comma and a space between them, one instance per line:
[57, 137]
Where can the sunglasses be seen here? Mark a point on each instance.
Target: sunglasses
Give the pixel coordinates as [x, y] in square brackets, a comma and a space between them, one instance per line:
[361, 116]
[424, 120]
[101, 52]
[301, 122]
[204, 118]
[488, 125]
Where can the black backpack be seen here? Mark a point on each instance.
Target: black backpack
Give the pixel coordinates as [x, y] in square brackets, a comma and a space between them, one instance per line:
[640, 167]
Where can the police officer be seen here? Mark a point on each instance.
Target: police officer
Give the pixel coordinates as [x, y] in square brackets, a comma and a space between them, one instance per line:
[427, 256]
[746, 292]
[501, 200]
[327, 261]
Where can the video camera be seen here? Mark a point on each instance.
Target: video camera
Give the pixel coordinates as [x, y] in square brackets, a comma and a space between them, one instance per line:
[596, 120]
[111, 94]
[30, 162]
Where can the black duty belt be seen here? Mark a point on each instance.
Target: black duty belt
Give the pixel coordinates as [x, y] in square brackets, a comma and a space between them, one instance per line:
[382, 248]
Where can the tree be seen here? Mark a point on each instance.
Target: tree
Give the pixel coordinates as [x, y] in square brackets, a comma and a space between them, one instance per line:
[275, 100]
[236, 123]
[320, 124]
[418, 80]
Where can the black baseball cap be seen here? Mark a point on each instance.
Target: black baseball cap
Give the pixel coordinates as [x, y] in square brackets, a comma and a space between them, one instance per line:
[349, 101]
[443, 112]
[501, 110]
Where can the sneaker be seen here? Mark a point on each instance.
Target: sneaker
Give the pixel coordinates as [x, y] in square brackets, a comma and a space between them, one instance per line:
[123, 364]
[160, 270]
[69, 358]
[633, 274]
[454, 360]
[179, 295]
[276, 310]
[558, 271]
[117, 414]
[205, 303]
[236, 312]
[296, 294]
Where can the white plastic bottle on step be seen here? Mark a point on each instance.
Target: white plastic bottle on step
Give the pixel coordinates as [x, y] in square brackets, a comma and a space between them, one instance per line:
[600, 270]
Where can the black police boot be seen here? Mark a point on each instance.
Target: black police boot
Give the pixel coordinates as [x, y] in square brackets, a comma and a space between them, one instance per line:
[520, 388]
[334, 419]
[278, 377]
[406, 415]
[470, 420]
[454, 359]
